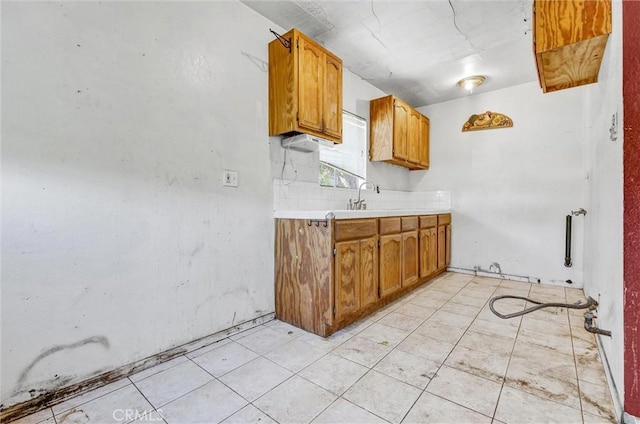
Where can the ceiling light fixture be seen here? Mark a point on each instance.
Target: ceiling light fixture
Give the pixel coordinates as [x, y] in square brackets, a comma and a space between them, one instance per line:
[469, 82]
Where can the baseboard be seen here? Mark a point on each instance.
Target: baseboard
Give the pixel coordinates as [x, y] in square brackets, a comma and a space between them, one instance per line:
[613, 388]
[482, 273]
[46, 400]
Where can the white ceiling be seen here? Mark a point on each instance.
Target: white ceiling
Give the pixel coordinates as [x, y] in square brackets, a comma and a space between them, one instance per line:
[419, 49]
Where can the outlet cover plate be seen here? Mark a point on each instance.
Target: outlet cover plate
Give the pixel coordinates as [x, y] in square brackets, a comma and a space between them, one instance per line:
[230, 178]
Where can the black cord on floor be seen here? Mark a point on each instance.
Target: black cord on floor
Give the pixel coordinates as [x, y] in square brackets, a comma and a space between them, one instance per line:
[591, 304]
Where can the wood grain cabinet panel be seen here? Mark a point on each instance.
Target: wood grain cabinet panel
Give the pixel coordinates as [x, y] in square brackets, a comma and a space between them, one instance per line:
[428, 251]
[350, 229]
[409, 258]
[569, 39]
[305, 88]
[415, 139]
[356, 275]
[401, 112]
[442, 247]
[447, 254]
[369, 292]
[424, 144]
[444, 241]
[390, 264]
[347, 278]
[332, 109]
[304, 275]
[390, 225]
[310, 83]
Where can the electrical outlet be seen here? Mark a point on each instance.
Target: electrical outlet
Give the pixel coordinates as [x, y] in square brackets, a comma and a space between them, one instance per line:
[230, 178]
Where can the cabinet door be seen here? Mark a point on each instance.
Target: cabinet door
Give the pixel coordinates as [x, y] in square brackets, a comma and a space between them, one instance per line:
[400, 129]
[424, 141]
[428, 251]
[442, 247]
[310, 80]
[409, 258]
[447, 254]
[347, 278]
[414, 140]
[333, 97]
[433, 254]
[368, 271]
[390, 263]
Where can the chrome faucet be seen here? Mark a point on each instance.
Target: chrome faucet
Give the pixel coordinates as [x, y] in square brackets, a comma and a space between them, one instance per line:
[359, 203]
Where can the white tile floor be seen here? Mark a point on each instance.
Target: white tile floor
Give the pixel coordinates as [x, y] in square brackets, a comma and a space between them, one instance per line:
[438, 355]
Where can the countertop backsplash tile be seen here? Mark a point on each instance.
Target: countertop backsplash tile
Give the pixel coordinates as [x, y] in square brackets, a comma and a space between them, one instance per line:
[302, 196]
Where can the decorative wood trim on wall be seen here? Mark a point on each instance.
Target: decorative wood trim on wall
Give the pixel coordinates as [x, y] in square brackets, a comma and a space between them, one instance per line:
[486, 121]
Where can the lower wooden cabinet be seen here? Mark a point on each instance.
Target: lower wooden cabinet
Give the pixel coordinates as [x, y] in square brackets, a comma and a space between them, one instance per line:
[330, 274]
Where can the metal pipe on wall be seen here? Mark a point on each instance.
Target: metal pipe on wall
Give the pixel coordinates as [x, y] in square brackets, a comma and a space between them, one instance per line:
[567, 242]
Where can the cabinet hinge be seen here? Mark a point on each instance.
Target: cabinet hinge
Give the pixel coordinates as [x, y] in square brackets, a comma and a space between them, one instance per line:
[334, 310]
[378, 246]
[335, 251]
[297, 43]
[297, 116]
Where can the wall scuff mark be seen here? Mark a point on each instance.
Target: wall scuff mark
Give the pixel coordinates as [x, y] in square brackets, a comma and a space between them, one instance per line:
[53, 397]
[23, 376]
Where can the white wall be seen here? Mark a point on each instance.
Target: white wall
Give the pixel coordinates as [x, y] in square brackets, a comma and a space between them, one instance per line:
[512, 188]
[118, 119]
[604, 225]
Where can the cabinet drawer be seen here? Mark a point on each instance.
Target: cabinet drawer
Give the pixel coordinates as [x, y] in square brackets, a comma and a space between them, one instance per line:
[390, 225]
[355, 229]
[444, 219]
[428, 221]
[409, 223]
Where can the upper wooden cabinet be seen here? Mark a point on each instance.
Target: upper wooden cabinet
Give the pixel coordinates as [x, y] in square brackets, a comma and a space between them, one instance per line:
[569, 39]
[399, 134]
[305, 88]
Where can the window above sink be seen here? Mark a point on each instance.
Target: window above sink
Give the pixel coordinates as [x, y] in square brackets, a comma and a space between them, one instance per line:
[345, 165]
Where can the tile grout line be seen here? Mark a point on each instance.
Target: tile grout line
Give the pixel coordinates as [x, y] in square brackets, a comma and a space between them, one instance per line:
[575, 362]
[505, 373]
[445, 359]
[410, 333]
[387, 354]
[542, 397]
[515, 340]
[148, 401]
[249, 402]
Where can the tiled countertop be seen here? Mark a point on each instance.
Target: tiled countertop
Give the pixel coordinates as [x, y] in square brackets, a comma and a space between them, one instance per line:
[346, 214]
